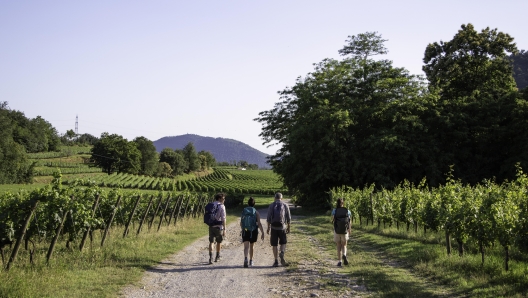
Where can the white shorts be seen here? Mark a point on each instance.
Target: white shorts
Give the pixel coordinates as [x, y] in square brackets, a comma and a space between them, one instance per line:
[340, 238]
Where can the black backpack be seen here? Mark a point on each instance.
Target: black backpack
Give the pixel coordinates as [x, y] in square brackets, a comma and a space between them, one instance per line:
[341, 220]
[210, 215]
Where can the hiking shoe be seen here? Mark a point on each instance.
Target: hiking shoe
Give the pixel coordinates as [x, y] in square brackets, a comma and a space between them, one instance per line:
[339, 264]
[250, 263]
[345, 261]
[245, 263]
[217, 258]
[283, 261]
[276, 263]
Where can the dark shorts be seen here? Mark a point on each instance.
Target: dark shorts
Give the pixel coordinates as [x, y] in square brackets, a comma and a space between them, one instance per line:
[215, 234]
[251, 236]
[278, 237]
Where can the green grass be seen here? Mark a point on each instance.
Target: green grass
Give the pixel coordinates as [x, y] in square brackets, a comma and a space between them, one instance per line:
[97, 272]
[389, 264]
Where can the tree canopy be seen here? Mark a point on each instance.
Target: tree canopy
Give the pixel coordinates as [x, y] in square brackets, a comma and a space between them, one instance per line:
[113, 153]
[360, 121]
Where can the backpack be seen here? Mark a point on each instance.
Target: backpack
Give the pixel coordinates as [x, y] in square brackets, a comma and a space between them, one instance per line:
[341, 220]
[210, 214]
[249, 219]
[278, 215]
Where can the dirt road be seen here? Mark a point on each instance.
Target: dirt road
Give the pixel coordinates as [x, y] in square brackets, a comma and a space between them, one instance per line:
[188, 274]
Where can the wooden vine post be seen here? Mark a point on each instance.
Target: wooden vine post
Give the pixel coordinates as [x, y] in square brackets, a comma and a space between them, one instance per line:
[85, 234]
[155, 212]
[145, 215]
[180, 204]
[14, 253]
[174, 209]
[164, 211]
[125, 233]
[110, 221]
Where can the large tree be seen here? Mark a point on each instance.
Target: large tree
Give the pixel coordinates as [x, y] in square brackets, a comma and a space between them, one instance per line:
[149, 156]
[14, 165]
[175, 159]
[349, 122]
[191, 157]
[520, 68]
[477, 100]
[113, 153]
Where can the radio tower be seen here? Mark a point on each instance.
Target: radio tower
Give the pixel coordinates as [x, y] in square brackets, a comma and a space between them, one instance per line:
[76, 124]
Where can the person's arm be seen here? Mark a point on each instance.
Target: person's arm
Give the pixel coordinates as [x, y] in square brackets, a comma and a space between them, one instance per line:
[260, 226]
[268, 219]
[224, 215]
[288, 218]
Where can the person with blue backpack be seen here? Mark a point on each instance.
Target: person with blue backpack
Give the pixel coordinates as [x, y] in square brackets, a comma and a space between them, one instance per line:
[250, 223]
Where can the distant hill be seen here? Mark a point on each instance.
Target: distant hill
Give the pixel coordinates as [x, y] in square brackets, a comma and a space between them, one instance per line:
[227, 150]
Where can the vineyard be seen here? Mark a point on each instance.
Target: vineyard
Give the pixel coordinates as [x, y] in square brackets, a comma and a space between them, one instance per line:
[477, 217]
[229, 180]
[74, 213]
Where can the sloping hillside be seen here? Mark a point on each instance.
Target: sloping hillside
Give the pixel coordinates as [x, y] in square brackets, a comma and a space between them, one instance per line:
[227, 150]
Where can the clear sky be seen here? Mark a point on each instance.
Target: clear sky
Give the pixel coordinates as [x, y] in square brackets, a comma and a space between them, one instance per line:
[166, 68]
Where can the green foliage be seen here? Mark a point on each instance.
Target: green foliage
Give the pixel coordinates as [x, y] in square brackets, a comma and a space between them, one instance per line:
[350, 122]
[149, 156]
[113, 153]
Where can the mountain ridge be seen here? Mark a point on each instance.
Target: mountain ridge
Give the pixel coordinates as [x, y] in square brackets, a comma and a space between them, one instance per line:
[223, 149]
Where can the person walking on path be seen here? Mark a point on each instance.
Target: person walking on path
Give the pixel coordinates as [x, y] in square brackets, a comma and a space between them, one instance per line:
[278, 220]
[249, 222]
[217, 232]
[342, 228]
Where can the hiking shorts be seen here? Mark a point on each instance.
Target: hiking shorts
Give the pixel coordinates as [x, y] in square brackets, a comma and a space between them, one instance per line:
[340, 238]
[278, 237]
[215, 234]
[251, 236]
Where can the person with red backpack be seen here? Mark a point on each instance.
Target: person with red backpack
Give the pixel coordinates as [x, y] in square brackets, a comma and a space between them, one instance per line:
[249, 222]
[342, 228]
[279, 225]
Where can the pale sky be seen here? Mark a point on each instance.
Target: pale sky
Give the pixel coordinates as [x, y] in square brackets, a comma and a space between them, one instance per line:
[166, 68]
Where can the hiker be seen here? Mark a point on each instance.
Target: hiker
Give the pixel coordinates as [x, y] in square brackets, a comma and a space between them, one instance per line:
[249, 222]
[278, 220]
[342, 228]
[217, 229]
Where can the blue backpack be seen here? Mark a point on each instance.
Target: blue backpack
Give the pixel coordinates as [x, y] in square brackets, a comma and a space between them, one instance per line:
[210, 215]
[249, 219]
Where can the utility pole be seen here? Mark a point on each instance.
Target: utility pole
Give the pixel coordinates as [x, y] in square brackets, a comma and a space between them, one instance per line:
[76, 124]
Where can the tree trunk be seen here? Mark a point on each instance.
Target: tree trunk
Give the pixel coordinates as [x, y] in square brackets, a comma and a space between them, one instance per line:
[448, 242]
[460, 247]
[506, 257]
[481, 248]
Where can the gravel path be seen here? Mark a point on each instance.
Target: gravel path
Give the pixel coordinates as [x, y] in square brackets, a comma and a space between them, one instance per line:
[188, 274]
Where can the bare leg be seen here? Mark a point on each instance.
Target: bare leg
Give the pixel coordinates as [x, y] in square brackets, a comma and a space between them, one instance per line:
[246, 249]
[283, 247]
[250, 250]
[275, 253]
[218, 246]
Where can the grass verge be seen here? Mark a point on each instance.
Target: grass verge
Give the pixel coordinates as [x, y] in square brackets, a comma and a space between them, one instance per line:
[388, 264]
[97, 272]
